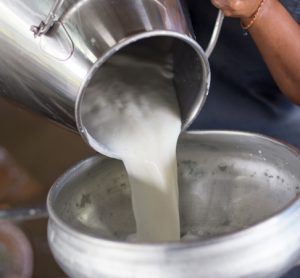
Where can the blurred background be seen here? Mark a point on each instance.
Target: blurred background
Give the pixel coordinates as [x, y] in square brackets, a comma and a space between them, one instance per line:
[34, 152]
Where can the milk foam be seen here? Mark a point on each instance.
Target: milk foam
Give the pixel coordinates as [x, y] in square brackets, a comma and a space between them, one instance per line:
[137, 117]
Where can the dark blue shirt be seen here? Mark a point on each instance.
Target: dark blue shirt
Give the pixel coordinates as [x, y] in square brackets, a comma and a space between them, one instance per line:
[243, 94]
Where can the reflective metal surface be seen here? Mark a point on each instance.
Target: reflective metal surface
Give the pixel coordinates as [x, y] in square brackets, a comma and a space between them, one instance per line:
[215, 35]
[16, 256]
[240, 209]
[50, 73]
[24, 214]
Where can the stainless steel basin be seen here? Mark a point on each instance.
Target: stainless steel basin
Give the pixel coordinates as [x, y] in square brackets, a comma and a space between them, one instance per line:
[240, 211]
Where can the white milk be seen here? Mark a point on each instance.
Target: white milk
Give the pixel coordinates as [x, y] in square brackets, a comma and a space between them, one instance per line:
[137, 117]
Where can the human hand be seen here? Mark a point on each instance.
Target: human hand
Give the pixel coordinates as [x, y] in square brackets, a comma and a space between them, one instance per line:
[237, 8]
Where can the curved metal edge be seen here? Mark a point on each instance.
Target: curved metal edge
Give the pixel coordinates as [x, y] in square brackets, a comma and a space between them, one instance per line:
[203, 90]
[187, 245]
[215, 35]
[25, 257]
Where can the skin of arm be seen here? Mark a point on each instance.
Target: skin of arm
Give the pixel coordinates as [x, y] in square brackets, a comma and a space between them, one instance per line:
[277, 36]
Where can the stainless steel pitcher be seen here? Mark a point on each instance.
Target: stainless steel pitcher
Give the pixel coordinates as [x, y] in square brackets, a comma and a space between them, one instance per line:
[51, 50]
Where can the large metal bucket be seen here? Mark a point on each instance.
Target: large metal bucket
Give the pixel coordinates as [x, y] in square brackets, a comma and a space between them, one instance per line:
[239, 207]
[52, 50]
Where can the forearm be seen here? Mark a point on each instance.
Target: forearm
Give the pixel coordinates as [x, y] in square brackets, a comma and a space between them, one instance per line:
[277, 36]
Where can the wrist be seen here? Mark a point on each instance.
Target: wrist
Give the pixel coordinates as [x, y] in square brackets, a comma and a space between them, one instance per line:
[247, 22]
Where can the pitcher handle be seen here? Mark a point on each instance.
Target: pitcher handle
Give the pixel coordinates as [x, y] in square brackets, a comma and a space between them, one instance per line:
[215, 34]
[46, 24]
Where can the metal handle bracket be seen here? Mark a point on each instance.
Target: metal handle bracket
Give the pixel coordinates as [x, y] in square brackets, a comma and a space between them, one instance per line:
[46, 24]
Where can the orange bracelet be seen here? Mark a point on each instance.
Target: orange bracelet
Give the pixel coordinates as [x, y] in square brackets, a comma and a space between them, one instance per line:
[253, 17]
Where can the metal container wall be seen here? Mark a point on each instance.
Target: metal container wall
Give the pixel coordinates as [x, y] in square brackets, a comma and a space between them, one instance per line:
[239, 207]
[50, 72]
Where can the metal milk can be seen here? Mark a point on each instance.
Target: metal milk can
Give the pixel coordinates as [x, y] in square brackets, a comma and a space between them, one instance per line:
[51, 50]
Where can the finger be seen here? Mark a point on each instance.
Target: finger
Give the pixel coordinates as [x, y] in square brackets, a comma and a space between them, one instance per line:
[216, 3]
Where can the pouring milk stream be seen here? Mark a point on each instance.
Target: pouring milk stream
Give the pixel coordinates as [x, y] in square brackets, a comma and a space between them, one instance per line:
[139, 112]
